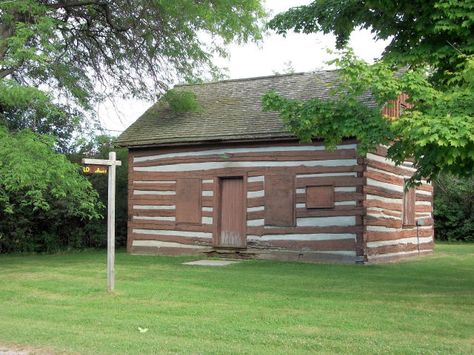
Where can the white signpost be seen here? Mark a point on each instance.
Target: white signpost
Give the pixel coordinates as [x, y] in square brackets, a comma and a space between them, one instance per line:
[92, 166]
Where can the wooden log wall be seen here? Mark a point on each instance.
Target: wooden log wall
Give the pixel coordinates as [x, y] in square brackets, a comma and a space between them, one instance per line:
[152, 197]
[385, 235]
[395, 108]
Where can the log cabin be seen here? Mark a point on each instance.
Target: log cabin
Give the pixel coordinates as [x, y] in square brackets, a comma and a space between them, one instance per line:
[231, 179]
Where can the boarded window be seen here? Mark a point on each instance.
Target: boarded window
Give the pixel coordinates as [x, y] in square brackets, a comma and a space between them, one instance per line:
[280, 200]
[319, 196]
[409, 201]
[188, 201]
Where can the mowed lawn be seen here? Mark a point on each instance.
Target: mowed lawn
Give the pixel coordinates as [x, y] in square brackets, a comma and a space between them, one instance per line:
[58, 302]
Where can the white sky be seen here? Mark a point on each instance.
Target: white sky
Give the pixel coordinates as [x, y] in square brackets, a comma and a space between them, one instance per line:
[303, 52]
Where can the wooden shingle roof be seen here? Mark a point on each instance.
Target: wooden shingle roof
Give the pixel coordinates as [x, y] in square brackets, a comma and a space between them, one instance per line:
[231, 111]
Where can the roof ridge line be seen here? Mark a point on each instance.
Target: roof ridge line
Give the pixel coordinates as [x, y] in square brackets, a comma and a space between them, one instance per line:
[257, 77]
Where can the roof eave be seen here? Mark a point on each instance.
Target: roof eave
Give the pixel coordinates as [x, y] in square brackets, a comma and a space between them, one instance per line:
[206, 141]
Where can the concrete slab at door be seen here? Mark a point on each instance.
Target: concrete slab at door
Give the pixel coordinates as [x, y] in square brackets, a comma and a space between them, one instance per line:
[231, 232]
[211, 262]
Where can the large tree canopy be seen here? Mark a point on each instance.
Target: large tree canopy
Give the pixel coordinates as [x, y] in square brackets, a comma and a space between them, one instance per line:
[421, 32]
[131, 47]
[430, 57]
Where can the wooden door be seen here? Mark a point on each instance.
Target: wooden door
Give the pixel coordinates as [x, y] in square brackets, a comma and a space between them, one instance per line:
[231, 226]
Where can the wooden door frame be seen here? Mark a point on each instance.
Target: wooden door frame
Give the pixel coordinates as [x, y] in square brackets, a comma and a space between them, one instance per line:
[218, 207]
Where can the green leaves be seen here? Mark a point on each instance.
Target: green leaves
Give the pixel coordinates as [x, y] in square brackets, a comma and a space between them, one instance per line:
[439, 136]
[131, 48]
[181, 101]
[454, 208]
[28, 107]
[429, 58]
[436, 130]
[32, 173]
[421, 32]
[331, 120]
[14, 95]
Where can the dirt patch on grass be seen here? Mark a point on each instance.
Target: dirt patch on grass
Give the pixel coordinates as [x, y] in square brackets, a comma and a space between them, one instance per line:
[25, 350]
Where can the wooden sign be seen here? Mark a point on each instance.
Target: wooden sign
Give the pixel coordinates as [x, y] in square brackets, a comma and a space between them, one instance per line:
[102, 166]
[94, 169]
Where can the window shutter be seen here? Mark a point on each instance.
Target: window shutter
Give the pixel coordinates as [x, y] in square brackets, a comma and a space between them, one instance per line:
[319, 196]
[280, 200]
[409, 203]
[188, 201]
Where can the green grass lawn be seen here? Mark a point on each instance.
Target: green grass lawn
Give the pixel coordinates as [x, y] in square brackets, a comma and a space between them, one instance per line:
[59, 302]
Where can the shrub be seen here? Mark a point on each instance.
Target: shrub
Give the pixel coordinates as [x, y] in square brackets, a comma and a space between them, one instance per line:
[182, 101]
[42, 194]
[454, 208]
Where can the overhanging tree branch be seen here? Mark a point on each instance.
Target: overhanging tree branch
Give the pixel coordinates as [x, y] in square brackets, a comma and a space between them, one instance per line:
[6, 72]
[70, 4]
[134, 47]
[104, 6]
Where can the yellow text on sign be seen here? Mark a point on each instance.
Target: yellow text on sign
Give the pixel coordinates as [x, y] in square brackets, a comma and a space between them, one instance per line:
[94, 169]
